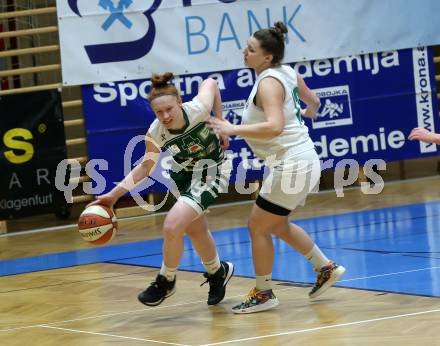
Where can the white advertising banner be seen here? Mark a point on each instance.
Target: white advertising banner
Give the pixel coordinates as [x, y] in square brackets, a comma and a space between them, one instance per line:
[115, 40]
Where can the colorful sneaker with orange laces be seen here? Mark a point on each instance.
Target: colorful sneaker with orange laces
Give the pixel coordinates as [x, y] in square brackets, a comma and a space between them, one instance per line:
[327, 276]
[256, 301]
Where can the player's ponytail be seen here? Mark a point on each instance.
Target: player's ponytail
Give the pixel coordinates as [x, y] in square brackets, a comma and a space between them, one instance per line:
[279, 30]
[272, 41]
[161, 85]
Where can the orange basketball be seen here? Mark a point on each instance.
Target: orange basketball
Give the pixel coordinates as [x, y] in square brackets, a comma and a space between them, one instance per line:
[97, 224]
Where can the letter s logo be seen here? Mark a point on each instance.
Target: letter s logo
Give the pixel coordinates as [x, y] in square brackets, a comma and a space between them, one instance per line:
[122, 51]
[12, 142]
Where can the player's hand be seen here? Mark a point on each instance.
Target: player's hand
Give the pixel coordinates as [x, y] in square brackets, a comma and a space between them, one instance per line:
[221, 127]
[107, 200]
[421, 134]
[224, 142]
[309, 115]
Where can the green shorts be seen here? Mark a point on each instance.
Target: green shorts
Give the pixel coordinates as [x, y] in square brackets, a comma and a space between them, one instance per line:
[200, 188]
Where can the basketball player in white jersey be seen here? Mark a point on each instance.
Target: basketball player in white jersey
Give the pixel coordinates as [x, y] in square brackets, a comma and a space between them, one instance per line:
[197, 172]
[273, 127]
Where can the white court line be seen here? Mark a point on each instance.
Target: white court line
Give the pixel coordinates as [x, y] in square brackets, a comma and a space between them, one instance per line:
[74, 225]
[103, 316]
[112, 335]
[389, 274]
[188, 303]
[322, 328]
[322, 192]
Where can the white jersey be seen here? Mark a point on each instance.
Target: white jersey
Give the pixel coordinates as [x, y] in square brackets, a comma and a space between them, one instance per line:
[295, 136]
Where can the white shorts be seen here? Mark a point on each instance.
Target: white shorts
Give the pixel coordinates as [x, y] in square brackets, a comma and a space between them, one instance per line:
[291, 179]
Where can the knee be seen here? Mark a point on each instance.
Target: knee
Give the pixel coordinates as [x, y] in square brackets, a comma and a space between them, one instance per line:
[257, 228]
[280, 229]
[172, 231]
[193, 232]
[252, 225]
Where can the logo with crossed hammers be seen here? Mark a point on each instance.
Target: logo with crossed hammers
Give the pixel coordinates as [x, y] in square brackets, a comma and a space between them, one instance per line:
[116, 13]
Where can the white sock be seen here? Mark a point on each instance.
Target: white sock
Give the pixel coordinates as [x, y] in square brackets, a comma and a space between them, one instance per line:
[169, 273]
[213, 265]
[316, 256]
[264, 282]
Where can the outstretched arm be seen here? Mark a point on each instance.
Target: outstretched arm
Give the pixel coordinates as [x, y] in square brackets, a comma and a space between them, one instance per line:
[136, 175]
[209, 95]
[309, 98]
[270, 98]
[421, 134]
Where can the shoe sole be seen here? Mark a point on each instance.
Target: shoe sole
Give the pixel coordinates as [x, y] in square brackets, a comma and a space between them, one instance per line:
[258, 308]
[160, 300]
[228, 277]
[336, 275]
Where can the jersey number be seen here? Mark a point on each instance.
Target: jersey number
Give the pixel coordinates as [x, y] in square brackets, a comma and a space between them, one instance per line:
[295, 97]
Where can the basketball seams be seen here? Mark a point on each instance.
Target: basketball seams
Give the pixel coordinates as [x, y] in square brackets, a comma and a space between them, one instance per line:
[95, 233]
[102, 229]
[105, 238]
[97, 224]
[92, 220]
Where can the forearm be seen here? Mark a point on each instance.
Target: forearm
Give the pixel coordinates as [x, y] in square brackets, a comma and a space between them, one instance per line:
[217, 104]
[436, 138]
[310, 111]
[309, 97]
[264, 130]
[138, 173]
[209, 95]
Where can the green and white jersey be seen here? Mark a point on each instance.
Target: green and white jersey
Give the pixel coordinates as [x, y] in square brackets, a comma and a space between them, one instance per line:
[194, 142]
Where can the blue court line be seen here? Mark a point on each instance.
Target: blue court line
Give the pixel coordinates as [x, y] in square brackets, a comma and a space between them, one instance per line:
[395, 239]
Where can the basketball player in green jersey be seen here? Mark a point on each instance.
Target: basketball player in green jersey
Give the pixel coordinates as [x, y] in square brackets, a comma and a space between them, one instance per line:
[199, 171]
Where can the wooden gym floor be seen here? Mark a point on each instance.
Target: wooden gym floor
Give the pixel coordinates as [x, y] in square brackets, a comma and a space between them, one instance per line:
[58, 290]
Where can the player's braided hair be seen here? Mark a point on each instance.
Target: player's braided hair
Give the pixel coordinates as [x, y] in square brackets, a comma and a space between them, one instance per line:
[272, 41]
[161, 86]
